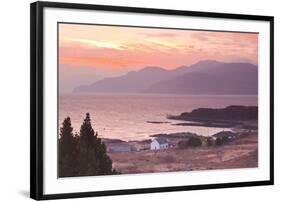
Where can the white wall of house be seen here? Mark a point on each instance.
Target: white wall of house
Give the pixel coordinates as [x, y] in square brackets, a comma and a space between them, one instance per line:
[154, 145]
[164, 146]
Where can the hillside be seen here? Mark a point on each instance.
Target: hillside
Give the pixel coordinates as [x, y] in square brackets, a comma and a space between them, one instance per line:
[233, 113]
[132, 82]
[204, 77]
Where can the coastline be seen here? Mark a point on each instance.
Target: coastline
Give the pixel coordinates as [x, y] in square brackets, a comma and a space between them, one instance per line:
[234, 146]
[239, 152]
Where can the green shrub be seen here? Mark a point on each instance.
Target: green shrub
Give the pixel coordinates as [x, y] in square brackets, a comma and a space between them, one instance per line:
[183, 144]
[222, 140]
[195, 142]
[192, 142]
[210, 142]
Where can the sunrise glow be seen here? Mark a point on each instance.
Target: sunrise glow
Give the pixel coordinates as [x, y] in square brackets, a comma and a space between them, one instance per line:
[114, 48]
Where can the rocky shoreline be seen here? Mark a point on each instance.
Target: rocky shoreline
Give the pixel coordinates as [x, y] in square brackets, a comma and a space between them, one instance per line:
[236, 147]
[227, 114]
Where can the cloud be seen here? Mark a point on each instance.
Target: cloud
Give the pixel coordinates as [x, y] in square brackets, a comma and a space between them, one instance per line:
[160, 34]
[112, 48]
[99, 44]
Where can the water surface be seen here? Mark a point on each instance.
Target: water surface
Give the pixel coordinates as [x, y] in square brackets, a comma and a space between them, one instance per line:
[125, 116]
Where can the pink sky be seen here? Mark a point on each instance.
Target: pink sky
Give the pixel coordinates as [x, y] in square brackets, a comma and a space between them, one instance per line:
[112, 48]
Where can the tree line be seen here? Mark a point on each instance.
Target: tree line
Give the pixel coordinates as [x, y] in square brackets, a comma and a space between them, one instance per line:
[82, 154]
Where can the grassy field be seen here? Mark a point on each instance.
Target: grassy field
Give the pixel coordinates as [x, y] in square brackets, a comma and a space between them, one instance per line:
[241, 153]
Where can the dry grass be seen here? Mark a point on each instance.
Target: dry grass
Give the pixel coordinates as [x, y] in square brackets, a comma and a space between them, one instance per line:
[242, 153]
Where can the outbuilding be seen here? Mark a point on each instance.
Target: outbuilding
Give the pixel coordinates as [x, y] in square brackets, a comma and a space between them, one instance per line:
[226, 134]
[159, 144]
[119, 148]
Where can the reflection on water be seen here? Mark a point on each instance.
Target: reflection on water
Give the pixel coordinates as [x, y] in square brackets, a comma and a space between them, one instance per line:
[129, 116]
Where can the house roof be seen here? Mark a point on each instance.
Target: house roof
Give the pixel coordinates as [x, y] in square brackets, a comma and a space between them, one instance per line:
[119, 145]
[161, 140]
[224, 133]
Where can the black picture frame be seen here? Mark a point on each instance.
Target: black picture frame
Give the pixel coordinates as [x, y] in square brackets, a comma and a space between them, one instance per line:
[37, 101]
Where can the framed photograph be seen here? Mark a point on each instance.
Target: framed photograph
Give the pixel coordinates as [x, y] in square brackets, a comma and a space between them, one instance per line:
[129, 100]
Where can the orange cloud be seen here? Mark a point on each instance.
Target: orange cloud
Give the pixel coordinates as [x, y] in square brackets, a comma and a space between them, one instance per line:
[112, 47]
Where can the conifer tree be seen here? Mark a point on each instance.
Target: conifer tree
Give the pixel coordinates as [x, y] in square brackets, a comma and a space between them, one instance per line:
[82, 154]
[87, 156]
[67, 150]
[105, 163]
[93, 159]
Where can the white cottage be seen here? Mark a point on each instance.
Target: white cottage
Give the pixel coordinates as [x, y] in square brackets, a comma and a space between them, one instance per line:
[158, 144]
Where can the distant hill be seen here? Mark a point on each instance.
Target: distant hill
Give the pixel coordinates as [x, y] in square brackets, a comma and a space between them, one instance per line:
[204, 77]
[216, 78]
[241, 113]
[132, 82]
[205, 66]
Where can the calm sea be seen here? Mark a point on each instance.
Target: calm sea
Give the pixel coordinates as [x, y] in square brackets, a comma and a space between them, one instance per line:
[125, 116]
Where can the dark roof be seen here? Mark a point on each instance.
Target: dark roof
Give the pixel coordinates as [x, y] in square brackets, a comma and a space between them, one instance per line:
[161, 140]
[120, 148]
[225, 133]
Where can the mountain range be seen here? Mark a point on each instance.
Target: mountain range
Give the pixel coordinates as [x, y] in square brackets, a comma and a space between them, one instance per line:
[204, 77]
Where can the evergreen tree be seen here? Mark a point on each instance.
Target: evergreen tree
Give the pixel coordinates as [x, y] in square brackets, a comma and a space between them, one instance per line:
[82, 154]
[87, 144]
[67, 150]
[93, 159]
[105, 163]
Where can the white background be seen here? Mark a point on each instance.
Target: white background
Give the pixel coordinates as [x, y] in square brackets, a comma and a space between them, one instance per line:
[14, 107]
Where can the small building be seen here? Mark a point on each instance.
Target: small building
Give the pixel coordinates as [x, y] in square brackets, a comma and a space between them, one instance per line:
[120, 148]
[225, 134]
[159, 144]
